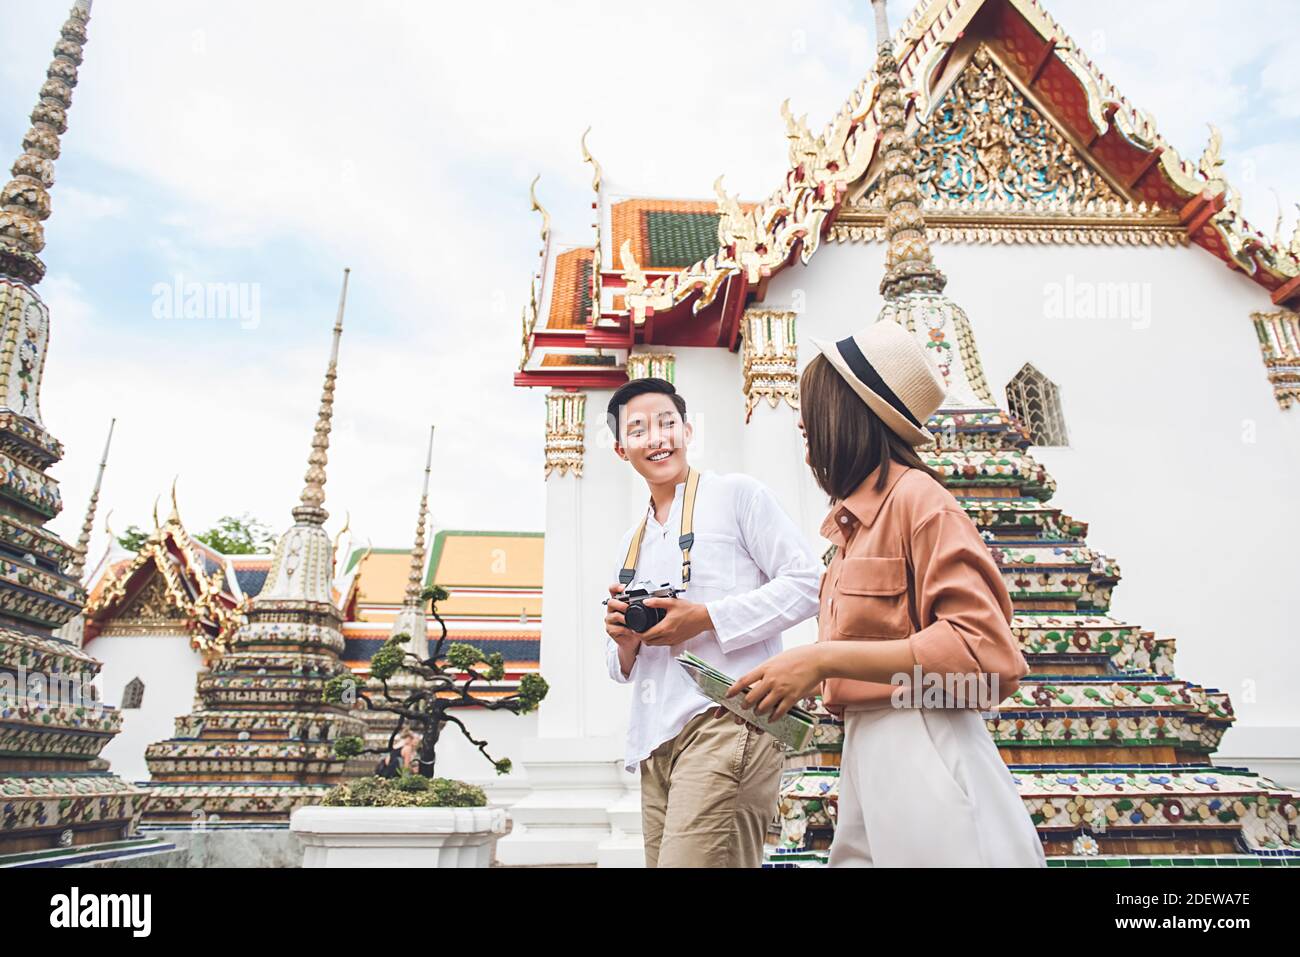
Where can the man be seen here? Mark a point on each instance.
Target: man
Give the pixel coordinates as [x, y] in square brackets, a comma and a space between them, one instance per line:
[708, 784]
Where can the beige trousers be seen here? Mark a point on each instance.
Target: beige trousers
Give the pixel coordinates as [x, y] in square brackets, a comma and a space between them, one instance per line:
[708, 795]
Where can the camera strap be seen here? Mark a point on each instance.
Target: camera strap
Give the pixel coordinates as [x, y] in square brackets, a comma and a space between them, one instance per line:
[684, 541]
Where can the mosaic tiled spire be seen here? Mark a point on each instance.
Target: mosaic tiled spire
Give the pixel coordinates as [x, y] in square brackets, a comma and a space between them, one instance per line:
[58, 798]
[411, 618]
[909, 266]
[913, 285]
[313, 494]
[261, 742]
[74, 630]
[78, 566]
[25, 200]
[1111, 751]
[302, 564]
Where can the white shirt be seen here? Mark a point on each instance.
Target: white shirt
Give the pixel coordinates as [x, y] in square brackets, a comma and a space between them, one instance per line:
[754, 571]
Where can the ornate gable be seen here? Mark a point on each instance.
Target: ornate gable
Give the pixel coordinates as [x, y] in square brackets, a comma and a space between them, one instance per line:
[986, 141]
[173, 585]
[995, 165]
[152, 609]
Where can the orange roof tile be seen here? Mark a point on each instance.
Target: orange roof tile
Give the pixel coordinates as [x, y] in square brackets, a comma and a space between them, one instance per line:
[571, 290]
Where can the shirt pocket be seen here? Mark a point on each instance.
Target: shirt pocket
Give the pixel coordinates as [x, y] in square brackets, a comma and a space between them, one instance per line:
[713, 561]
[871, 599]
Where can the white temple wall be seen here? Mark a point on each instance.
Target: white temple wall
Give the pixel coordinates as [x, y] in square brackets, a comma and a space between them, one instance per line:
[1180, 460]
[168, 666]
[502, 731]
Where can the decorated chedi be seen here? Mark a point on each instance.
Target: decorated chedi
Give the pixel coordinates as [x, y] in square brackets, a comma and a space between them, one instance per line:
[261, 742]
[57, 799]
[412, 620]
[1110, 749]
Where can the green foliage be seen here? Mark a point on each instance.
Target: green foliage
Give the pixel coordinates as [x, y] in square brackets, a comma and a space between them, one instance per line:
[406, 781]
[349, 746]
[341, 689]
[532, 689]
[503, 766]
[434, 593]
[133, 538]
[238, 535]
[388, 659]
[462, 657]
[402, 792]
[496, 667]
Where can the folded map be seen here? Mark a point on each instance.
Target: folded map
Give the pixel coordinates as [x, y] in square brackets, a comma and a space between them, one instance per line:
[794, 729]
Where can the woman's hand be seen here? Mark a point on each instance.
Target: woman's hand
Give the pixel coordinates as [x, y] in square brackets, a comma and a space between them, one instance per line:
[781, 682]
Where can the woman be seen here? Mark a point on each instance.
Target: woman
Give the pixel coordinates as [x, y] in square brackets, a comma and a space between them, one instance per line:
[914, 633]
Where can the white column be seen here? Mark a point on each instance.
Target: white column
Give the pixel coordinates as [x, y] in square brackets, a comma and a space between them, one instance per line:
[771, 443]
[575, 764]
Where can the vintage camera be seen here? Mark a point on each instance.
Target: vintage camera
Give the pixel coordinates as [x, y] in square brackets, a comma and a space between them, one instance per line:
[638, 617]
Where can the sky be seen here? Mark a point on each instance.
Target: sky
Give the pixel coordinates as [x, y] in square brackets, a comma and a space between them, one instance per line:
[269, 145]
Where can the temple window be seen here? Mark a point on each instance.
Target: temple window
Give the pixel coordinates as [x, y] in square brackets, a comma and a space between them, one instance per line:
[133, 694]
[1036, 402]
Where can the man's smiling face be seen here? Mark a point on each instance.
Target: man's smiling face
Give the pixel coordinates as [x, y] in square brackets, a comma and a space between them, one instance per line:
[653, 437]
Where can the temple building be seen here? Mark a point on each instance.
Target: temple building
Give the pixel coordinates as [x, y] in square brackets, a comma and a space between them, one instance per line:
[157, 619]
[58, 801]
[1121, 305]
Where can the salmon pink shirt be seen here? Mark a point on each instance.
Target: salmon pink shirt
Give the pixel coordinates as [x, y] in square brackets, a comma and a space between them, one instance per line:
[910, 564]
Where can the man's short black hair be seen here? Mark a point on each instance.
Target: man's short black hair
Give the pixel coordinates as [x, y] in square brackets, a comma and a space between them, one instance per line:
[636, 387]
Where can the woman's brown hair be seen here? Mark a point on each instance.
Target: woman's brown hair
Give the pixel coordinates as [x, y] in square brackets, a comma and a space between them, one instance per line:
[846, 440]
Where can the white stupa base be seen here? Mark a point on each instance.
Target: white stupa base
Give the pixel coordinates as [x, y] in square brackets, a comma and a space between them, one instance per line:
[565, 818]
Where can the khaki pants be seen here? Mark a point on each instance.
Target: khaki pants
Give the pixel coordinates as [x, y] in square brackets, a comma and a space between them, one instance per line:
[708, 795]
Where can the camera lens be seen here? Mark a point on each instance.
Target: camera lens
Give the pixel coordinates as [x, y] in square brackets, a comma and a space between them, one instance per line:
[640, 618]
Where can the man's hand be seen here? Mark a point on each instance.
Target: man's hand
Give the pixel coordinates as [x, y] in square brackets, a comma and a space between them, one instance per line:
[683, 620]
[623, 636]
[781, 682]
[628, 641]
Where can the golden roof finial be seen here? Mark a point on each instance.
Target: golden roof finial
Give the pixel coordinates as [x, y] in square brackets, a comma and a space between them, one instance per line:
[909, 266]
[415, 579]
[175, 516]
[537, 207]
[78, 564]
[25, 200]
[596, 174]
[312, 510]
[156, 524]
[347, 527]
[530, 314]
[596, 171]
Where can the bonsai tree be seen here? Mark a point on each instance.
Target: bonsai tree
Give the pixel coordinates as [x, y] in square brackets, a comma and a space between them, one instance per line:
[447, 682]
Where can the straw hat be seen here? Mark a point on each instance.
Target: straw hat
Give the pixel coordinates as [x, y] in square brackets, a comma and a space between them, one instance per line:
[891, 373]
